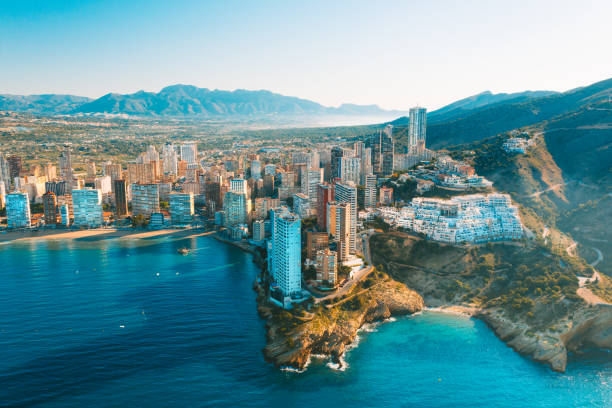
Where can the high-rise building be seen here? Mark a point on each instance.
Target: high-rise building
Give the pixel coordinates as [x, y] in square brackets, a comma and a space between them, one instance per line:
[336, 153]
[417, 129]
[113, 170]
[350, 169]
[181, 208]
[314, 242]
[268, 185]
[325, 194]
[370, 191]
[5, 173]
[259, 230]
[50, 208]
[2, 195]
[387, 150]
[141, 173]
[15, 166]
[18, 210]
[87, 207]
[50, 172]
[301, 205]
[59, 188]
[346, 192]
[326, 266]
[236, 208]
[169, 160]
[145, 199]
[189, 152]
[286, 255]
[239, 185]
[121, 204]
[91, 169]
[263, 205]
[103, 184]
[213, 196]
[65, 165]
[256, 169]
[374, 142]
[311, 179]
[365, 156]
[64, 211]
[270, 169]
[339, 226]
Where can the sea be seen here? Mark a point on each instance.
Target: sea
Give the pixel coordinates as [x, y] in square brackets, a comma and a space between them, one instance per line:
[132, 323]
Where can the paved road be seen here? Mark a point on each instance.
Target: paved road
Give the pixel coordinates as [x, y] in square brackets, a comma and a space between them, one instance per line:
[599, 257]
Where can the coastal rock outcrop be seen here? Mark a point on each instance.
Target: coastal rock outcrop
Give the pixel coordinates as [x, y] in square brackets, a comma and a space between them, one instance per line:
[588, 327]
[329, 329]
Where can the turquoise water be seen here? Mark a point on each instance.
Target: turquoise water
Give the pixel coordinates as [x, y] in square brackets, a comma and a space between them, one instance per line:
[132, 323]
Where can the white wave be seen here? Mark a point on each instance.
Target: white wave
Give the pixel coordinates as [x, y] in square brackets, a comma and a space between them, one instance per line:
[297, 370]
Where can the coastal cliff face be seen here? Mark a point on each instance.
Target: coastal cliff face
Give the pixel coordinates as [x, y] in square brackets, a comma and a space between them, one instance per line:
[329, 329]
[589, 327]
[526, 295]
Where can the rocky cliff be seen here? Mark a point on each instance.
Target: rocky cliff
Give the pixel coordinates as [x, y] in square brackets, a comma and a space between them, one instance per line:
[589, 327]
[328, 329]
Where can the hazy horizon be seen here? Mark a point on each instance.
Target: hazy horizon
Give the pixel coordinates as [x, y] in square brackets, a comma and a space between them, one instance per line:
[395, 55]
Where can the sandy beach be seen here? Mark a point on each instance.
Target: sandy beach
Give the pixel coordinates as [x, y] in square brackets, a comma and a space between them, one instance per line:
[100, 233]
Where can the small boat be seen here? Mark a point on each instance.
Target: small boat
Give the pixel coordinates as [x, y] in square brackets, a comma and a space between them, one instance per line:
[183, 251]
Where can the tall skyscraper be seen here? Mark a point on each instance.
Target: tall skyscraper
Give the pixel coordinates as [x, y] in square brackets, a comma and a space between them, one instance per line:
[365, 156]
[350, 169]
[18, 210]
[339, 226]
[387, 150]
[336, 153]
[14, 163]
[65, 165]
[346, 192]
[325, 194]
[287, 252]
[189, 152]
[169, 160]
[326, 266]
[311, 179]
[417, 129]
[256, 169]
[112, 170]
[145, 199]
[87, 207]
[374, 142]
[239, 185]
[370, 191]
[50, 208]
[121, 204]
[50, 172]
[236, 207]
[181, 208]
[59, 188]
[5, 173]
[143, 173]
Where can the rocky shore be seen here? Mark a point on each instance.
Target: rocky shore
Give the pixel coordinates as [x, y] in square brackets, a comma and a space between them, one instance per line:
[328, 329]
[588, 327]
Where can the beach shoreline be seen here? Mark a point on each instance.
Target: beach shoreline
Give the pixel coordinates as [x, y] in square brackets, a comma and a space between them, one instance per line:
[99, 233]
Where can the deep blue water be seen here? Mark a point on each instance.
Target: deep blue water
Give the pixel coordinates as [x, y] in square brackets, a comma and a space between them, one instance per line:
[92, 324]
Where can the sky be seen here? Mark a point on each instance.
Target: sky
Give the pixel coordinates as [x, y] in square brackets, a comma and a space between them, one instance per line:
[395, 54]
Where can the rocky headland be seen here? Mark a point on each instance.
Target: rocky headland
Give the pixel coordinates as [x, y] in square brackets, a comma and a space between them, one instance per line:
[327, 329]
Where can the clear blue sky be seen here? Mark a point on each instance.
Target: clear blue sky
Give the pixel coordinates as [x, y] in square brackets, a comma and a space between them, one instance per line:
[391, 53]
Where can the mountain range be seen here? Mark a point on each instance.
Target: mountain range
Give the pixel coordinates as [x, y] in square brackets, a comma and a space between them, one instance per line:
[186, 101]
[486, 115]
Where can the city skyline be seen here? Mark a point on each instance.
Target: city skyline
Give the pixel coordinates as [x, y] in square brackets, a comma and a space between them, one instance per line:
[395, 56]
